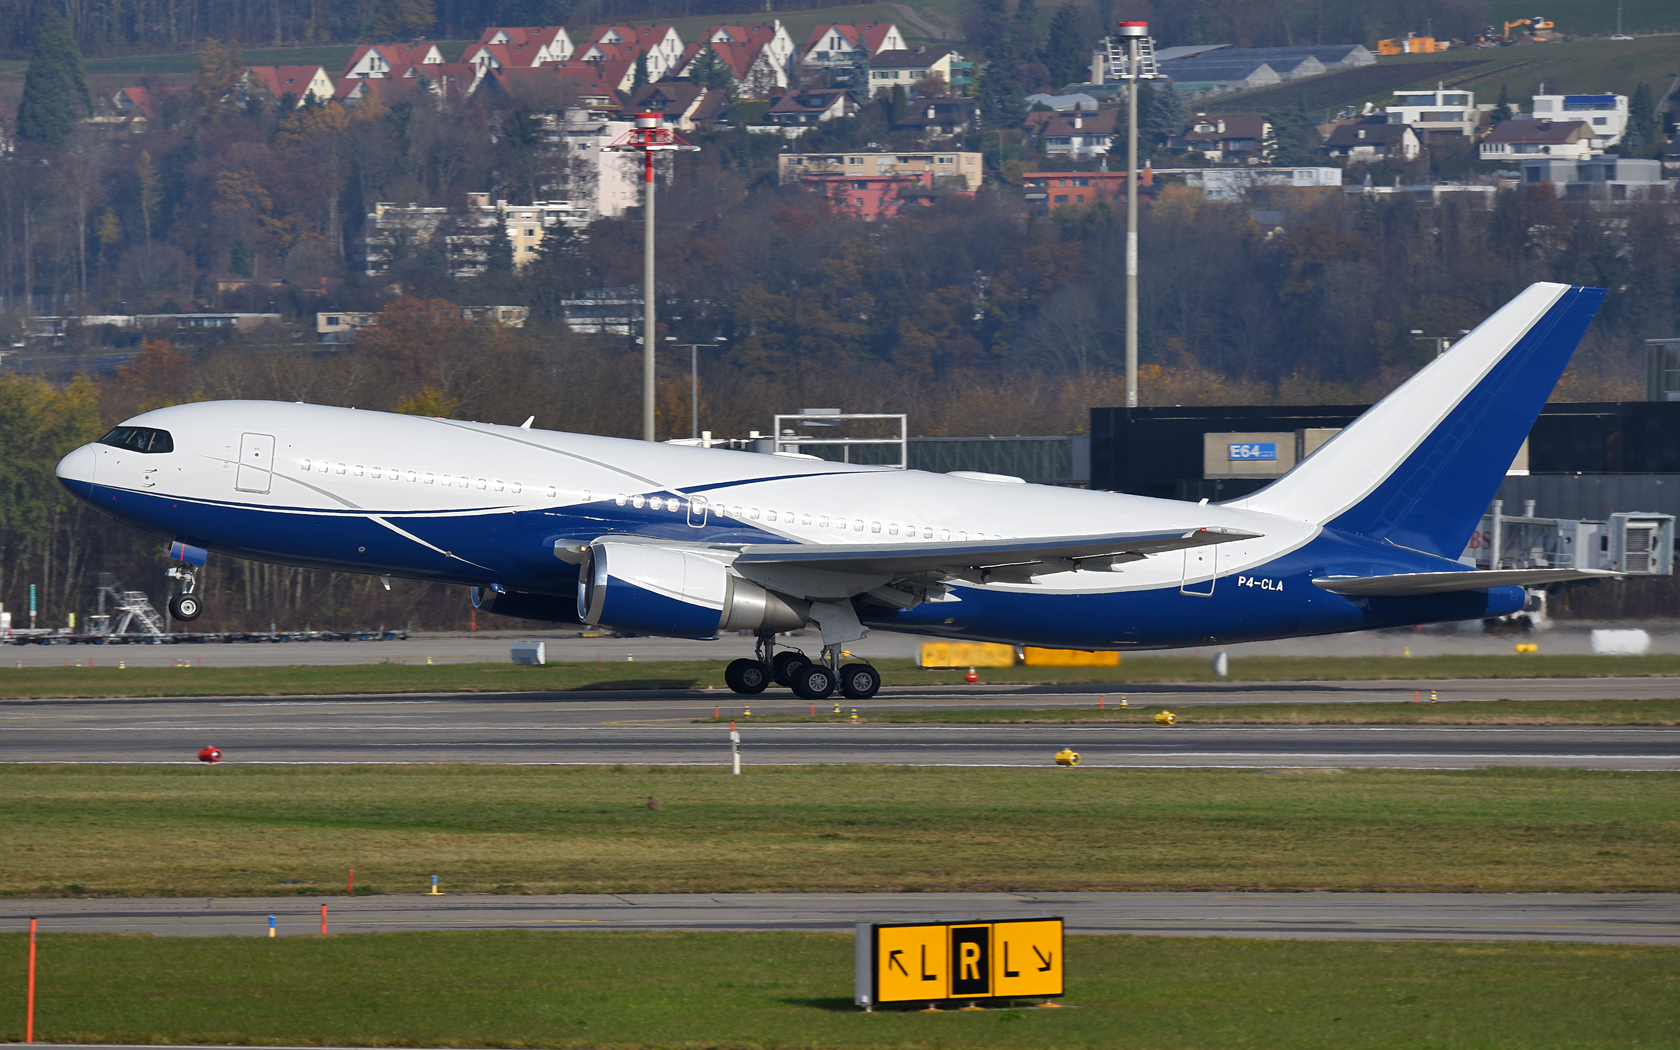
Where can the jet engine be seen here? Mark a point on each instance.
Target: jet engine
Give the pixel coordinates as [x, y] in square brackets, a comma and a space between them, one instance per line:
[664, 590]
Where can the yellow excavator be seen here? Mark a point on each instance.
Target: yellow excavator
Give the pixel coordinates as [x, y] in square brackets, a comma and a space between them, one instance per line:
[1535, 25]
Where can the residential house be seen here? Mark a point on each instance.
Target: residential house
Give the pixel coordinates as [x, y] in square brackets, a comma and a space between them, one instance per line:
[1229, 138]
[437, 81]
[1439, 114]
[136, 108]
[374, 61]
[1047, 190]
[955, 169]
[1072, 100]
[299, 83]
[341, 326]
[1079, 133]
[1601, 176]
[1238, 183]
[838, 46]
[940, 118]
[526, 225]
[683, 104]
[1372, 139]
[532, 45]
[659, 45]
[873, 197]
[1217, 74]
[758, 57]
[890, 69]
[813, 105]
[1519, 139]
[1607, 115]
[594, 85]
[396, 232]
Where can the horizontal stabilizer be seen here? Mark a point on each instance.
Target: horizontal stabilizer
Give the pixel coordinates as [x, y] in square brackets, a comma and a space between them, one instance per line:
[1446, 582]
[896, 559]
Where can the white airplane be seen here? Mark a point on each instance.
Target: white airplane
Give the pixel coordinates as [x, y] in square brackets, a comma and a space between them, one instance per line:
[689, 542]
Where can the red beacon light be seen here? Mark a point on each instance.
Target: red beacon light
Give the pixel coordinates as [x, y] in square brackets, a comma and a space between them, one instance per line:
[210, 754]
[1134, 29]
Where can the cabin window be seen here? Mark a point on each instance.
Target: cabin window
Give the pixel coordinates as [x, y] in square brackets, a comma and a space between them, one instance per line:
[515, 488]
[875, 527]
[735, 512]
[619, 499]
[498, 484]
[482, 484]
[322, 466]
[445, 480]
[822, 522]
[303, 465]
[430, 478]
[376, 472]
[356, 470]
[769, 515]
[857, 524]
[140, 439]
[552, 491]
[411, 476]
[805, 519]
[638, 502]
[656, 503]
[944, 534]
[753, 513]
[892, 528]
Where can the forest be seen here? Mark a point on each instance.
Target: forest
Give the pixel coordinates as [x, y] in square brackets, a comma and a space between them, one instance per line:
[975, 315]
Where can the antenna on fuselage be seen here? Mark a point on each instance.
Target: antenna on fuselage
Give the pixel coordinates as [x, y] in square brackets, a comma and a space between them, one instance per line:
[527, 424]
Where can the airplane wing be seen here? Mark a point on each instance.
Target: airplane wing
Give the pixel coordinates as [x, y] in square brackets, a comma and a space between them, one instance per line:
[1024, 558]
[1406, 583]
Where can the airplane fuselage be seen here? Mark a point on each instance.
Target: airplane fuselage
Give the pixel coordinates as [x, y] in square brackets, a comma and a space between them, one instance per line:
[500, 507]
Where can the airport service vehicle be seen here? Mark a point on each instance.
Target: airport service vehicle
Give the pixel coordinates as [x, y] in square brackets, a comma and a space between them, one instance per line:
[691, 542]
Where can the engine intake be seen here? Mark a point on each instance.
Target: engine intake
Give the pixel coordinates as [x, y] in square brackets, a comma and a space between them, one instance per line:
[664, 590]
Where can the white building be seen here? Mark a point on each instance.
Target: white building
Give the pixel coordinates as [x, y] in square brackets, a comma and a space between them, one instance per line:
[1438, 113]
[1607, 115]
[597, 181]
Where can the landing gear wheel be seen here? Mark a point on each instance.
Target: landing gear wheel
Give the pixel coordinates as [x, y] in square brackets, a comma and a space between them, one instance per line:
[813, 682]
[859, 681]
[185, 607]
[787, 664]
[747, 677]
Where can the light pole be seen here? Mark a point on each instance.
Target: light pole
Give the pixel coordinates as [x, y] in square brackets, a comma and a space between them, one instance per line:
[1134, 33]
[649, 136]
[694, 382]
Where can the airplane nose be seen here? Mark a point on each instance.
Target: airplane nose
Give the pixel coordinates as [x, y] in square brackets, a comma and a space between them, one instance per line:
[75, 471]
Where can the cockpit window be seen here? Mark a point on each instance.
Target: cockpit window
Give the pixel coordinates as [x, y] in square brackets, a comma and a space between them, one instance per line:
[140, 439]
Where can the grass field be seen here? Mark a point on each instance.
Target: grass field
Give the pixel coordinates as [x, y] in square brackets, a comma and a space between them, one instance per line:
[105, 679]
[1580, 66]
[1496, 712]
[690, 990]
[269, 830]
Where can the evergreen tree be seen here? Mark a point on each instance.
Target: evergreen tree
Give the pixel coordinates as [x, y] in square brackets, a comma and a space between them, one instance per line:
[1065, 53]
[500, 257]
[240, 258]
[641, 70]
[1642, 122]
[1292, 136]
[1166, 117]
[55, 90]
[900, 104]
[1502, 112]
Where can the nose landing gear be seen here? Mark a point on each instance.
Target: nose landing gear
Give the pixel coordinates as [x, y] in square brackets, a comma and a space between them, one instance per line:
[185, 606]
[809, 680]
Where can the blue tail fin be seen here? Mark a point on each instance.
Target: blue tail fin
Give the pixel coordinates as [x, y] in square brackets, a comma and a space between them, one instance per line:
[1420, 467]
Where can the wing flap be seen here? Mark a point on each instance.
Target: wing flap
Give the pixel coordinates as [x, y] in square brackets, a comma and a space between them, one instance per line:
[1408, 583]
[1042, 555]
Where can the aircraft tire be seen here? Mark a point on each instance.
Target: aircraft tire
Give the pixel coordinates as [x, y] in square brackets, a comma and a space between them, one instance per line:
[859, 681]
[785, 665]
[747, 677]
[185, 607]
[813, 682]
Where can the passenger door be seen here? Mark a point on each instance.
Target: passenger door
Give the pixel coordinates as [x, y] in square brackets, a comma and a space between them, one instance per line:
[256, 463]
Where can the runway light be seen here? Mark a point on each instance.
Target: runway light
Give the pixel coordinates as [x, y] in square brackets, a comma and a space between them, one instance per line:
[971, 677]
[1165, 718]
[1067, 757]
[210, 754]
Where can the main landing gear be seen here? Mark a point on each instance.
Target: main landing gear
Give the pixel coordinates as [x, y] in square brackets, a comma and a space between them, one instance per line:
[808, 680]
[185, 606]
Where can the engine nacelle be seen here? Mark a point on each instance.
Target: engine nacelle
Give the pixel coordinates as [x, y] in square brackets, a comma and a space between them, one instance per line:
[664, 590]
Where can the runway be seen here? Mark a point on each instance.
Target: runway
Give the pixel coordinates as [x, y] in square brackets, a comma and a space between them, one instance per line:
[661, 729]
[1603, 918]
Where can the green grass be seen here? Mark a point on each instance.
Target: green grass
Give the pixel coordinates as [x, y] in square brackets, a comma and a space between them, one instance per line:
[688, 990]
[1580, 66]
[1497, 712]
[105, 679]
[229, 830]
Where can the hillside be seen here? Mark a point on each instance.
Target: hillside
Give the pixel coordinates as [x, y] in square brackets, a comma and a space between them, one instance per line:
[1593, 65]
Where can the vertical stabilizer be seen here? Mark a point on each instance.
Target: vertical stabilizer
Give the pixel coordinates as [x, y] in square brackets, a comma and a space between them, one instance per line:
[1419, 468]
